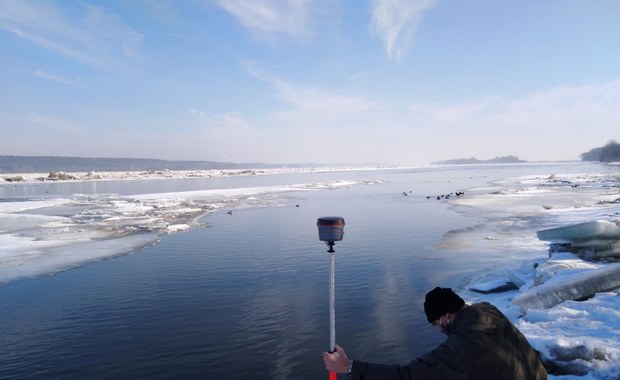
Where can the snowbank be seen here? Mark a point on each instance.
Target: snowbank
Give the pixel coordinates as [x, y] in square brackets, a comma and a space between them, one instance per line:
[568, 306]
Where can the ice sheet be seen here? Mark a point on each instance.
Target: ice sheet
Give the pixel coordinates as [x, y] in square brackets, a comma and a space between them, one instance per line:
[45, 236]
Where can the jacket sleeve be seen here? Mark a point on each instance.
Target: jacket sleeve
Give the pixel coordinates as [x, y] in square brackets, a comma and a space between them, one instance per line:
[450, 360]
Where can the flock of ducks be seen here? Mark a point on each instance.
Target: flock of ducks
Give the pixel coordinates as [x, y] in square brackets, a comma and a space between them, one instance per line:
[406, 193]
[447, 196]
[439, 197]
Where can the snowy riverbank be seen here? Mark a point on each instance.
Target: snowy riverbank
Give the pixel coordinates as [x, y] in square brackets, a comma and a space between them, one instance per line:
[581, 337]
[165, 174]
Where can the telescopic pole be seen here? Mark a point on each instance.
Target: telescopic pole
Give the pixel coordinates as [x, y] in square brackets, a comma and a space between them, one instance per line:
[331, 229]
[332, 305]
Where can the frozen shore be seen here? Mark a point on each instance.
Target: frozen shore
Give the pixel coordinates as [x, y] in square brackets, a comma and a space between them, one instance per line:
[554, 303]
[47, 234]
[164, 174]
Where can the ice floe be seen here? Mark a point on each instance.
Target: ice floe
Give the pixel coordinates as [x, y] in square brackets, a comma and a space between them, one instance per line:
[42, 236]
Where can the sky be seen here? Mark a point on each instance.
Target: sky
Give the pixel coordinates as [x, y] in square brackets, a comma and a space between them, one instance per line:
[394, 82]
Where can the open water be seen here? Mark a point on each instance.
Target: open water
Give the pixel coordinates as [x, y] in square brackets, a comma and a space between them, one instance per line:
[246, 296]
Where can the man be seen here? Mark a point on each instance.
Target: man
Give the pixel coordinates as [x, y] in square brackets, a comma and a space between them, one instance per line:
[481, 344]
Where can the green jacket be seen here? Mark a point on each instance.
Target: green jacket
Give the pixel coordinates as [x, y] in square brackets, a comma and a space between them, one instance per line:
[483, 344]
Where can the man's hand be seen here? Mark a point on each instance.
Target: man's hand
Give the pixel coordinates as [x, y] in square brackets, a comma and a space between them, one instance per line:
[336, 361]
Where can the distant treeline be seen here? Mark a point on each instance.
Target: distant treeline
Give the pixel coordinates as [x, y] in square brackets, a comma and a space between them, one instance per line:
[472, 160]
[44, 164]
[610, 152]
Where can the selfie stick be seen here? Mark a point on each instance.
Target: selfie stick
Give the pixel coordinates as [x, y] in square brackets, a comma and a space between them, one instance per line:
[331, 229]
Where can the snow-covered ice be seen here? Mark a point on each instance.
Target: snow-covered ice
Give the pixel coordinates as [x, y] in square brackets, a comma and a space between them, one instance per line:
[45, 236]
[555, 306]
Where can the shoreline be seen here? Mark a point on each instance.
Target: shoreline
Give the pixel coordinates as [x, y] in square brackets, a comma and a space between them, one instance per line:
[61, 176]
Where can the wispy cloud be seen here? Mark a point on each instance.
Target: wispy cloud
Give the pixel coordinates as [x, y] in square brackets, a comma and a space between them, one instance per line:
[396, 21]
[594, 105]
[54, 78]
[573, 118]
[359, 75]
[559, 106]
[310, 121]
[109, 32]
[315, 105]
[452, 113]
[238, 122]
[270, 18]
[167, 12]
[53, 123]
[100, 38]
[198, 114]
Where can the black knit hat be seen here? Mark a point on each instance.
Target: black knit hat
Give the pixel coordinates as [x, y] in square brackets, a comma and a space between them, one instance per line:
[440, 301]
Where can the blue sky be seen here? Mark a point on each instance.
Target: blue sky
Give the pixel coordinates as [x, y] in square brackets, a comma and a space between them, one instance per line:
[324, 81]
